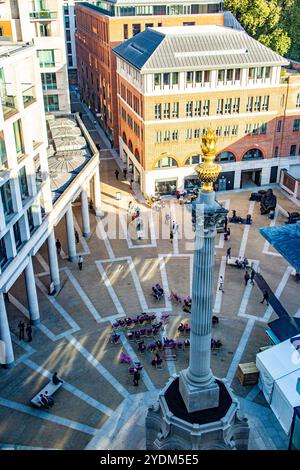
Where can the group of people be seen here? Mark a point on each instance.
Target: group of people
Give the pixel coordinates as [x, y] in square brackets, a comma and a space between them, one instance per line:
[125, 176]
[157, 291]
[22, 330]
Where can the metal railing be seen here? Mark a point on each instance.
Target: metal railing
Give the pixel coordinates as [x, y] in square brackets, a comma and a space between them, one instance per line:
[9, 106]
[28, 96]
[43, 15]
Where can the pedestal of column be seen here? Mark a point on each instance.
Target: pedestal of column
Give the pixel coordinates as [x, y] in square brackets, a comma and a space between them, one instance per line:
[86, 230]
[6, 349]
[32, 299]
[97, 194]
[53, 262]
[70, 235]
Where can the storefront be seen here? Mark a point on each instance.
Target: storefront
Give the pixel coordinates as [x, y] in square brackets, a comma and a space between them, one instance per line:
[191, 182]
[225, 181]
[166, 186]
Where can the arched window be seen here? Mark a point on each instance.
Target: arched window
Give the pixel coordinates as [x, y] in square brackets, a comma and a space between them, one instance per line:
[225, 157]
[193, 160]
[130, 146]
[166, 162]
[124, 138]
[253, 154]
[137, 155]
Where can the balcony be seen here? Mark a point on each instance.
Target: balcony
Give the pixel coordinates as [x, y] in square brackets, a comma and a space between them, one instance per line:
[9, 106]
[28, 96]
[43, 15]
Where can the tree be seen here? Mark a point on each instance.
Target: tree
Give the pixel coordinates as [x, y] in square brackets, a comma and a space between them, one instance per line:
[291, 23]
[262, 19]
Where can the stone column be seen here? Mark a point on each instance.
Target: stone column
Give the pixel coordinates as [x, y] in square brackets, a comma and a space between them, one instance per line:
[32, 299]
[70, 234]
[97, 194]
[6, 349]
[86, 230]
[197, 384]
[53, 262]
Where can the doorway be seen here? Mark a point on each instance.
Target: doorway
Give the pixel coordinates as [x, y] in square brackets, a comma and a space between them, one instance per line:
[250, 178]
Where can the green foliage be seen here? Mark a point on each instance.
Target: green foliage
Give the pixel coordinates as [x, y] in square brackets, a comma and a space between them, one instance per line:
[275, 23]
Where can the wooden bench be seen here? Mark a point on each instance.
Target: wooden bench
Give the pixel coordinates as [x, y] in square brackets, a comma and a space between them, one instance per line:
[248, 373]
[50, 388]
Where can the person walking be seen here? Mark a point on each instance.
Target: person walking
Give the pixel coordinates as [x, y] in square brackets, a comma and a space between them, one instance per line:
[131, 183]
[227, 234]
[252, 276]
[265, 297]
[76, 236]
[29, 332]
[58, 246]
[125, 172]
[117, 174]
[228, 253]
[21, 327]
[80, 262]
[246, 277]
[171, 236]
[136, 377]
[221, 284]
[129, 209]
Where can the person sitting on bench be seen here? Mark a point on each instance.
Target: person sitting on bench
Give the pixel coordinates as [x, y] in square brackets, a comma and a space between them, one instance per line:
[49, 399]
[239, 262]
[44, 401]
[56, 380]
[245, 262]
[157, 360]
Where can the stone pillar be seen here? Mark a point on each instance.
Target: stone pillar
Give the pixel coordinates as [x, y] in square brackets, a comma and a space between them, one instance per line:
[97, 194]
[53, 262]
[70, 234]
[32, 299]
[6, 349]
[86, 230]
[197, 384]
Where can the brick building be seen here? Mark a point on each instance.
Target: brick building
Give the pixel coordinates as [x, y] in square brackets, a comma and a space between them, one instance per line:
[173, 83]
[103, 26]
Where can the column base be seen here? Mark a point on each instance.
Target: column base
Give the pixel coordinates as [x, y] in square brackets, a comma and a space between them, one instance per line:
[35, 322]
[86, 234]
[195, 397]
[8, 366]
[73, 259]
[99, 213]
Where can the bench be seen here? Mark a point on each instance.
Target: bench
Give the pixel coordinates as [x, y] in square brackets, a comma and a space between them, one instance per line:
[50, 388]
[232, 262]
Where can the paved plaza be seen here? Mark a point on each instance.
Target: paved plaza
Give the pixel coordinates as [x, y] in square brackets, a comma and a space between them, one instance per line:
[98, 407]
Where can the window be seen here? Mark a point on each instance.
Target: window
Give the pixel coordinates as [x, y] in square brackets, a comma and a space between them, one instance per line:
[226, 131]
[279, 125]
[30, 219]
[45, 30]
[166, 79]
[221, 75]
[159, 10]
[157, 79]
[129, 121]
[17, 234]
[46, 58]
[189, 109]
[166, 110]
[267, 72]
[69, 48]
[175, 110]
[67, 21]
[70, 61]
[189, 77]
[296, 125]
[23, 183]
[234, 129]
[68, 36]
[237, 74]
[263, 128]
[236, 105]
[189, 134]
[3, 254]
[265, 103]
[251, 73]
[206, 108]
[166, 136]
[198, 76]
[229, 75]
[157, 111]
[51, 103]
[197, 108]
[298, 101]
[175, 78]
[175, 136]
[1, 31]
[275, 152]
[259, 72]
[248, 129]
[197, 133]
[7, 199]
[149, 25]
[257, 103]
[207, 76]
[253, 154]
[136, 28]
[125, 31]
[225, 157]
[18, 136]
[249, 104]
[193, 160]
[255, 129]
[166, 162]
[220, 106]
[3, 157]
[158, 136]
[293, 150]
[228, 106]
[219, 131]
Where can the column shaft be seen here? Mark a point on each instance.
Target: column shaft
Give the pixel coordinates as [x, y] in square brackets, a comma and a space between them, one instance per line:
[6, 349]
[70, 234]
[86, 230]
[53, 262]
[97, 193]
[32, 299]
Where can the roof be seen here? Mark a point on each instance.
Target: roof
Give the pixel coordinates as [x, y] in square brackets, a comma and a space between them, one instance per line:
[286, 240]
[194, 47]
[278, 360]
[285, 327]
